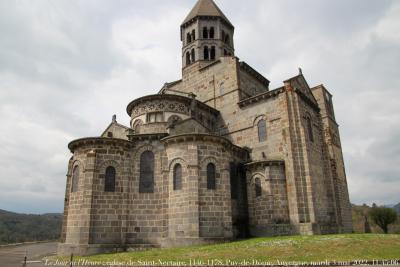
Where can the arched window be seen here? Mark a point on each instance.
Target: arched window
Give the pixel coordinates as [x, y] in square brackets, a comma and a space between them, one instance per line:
[257, 185]
[193, 35]
[193, 56]
[212, 33]
[109, 181]
[205, 33]
[187, 58]
[177, 179]
[146, 183]
[211, 181]
[309, 129]
[262, 130]
[75, 179]
[188, 38]
[225, 52]
[212, 53]
[223, 36]
[206, 53]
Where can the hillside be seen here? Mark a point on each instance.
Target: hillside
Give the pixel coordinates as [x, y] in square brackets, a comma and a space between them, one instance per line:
[17, 228]
[397, 208]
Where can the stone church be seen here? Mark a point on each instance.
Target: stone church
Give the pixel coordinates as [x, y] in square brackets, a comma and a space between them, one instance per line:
[216, 155]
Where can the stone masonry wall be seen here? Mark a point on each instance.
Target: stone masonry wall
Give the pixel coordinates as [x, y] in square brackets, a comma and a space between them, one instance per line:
[216, 81]
[215, 218]
[79, 202]
[249, 86]
[271, 207]
[182, 211]
[110, 209]
[196, 211]
[331, 138]
[309, 183]
[94, 216]
[240, 126]
[66, 201]
[312, 159]
[147, 211]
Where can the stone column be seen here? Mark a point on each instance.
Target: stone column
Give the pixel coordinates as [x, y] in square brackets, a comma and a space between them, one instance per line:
[193, 190]
[86, 204]
[227, 204]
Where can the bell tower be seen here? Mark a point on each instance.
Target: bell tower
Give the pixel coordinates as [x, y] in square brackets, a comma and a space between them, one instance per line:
[206, 34]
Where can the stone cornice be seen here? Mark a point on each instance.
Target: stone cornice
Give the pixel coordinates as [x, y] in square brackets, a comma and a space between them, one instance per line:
[143, 137]
[204, 137]
[180, 98]
[98, 141]
[194, 19]
[259, 97]
[265, 163]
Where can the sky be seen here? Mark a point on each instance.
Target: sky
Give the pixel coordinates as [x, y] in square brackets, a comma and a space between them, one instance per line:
[67, 66]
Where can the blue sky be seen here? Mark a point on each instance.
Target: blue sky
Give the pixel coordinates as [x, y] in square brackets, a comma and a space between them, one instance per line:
[67, 66]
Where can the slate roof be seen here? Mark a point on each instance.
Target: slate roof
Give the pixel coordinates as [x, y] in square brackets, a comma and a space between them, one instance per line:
[206, 8]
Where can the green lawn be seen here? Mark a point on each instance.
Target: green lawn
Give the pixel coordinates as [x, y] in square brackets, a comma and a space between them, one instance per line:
[345, 247]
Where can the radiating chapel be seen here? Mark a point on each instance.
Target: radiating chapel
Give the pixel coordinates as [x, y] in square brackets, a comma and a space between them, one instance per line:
[216, 155]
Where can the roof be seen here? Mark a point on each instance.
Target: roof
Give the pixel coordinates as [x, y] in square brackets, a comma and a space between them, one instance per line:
[167, 85]
[206, 8]
[246, 67]
[259, 97]
[170, 97]
[91, 141]
[116, 124]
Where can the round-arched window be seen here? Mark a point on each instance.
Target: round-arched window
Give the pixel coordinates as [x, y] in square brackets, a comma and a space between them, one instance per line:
[109, 181]
[211, 181]
[177, 177]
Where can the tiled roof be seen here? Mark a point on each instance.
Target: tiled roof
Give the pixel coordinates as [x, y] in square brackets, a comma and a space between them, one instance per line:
[206, 8]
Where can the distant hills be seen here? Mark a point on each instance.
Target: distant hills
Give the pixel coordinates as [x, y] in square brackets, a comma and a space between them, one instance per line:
[18, 228]
[397, 208]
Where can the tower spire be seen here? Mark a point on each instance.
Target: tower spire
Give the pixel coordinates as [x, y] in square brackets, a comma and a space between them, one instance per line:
[206, 8]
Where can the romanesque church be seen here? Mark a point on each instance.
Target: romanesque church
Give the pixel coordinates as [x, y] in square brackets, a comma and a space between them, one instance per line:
[216, 155]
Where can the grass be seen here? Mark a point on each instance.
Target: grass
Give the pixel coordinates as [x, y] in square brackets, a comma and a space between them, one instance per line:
[346, 247]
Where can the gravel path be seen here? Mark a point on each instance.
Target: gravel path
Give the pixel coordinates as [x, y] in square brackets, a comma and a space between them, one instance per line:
[12, 256]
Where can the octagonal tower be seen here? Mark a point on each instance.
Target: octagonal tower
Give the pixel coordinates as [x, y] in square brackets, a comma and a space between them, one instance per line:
[206, 34]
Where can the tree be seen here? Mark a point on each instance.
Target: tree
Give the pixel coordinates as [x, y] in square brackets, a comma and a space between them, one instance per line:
[383, 217]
